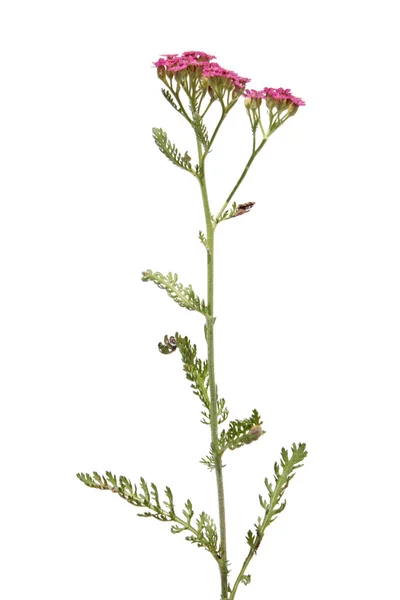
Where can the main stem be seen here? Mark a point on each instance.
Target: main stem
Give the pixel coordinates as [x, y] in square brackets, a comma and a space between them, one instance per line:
[223, 563]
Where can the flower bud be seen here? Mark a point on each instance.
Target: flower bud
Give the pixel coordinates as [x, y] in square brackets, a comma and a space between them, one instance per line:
[270, 102]
[292, 109]
[253, 434]
[161, 72]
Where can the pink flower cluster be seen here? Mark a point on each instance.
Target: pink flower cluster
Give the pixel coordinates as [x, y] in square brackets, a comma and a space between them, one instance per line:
[173, 63]
[197, 62]
[176, 62]
[214, 70]
[278, 94]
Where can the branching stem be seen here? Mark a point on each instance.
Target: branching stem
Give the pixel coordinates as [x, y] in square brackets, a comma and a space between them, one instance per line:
[243, 175]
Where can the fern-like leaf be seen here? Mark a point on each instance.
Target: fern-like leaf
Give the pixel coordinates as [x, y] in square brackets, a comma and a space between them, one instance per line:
[241, 432]
[284, 471]
[203, 240]
[200, 130]
[203, 532]
[196, 372]
[209, 460]
[227, 214]
[171, 152]
[205, 535]
[184, 296]
[169, 98]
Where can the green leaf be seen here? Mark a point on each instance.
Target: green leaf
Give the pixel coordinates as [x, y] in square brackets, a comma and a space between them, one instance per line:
[203, 533]
[112, 479]
[250, 539]
[203, 240]
[168, 96]
[263, 502]
[200, 130]
[196, 372]
[209, 460]
[227, 214]
[146, 494]
[188, 511]
[154, 495]
[222, 411]
[169, 503]
[87, 480]
[171, 151]
[284, 472]
[184, 296]
[241, 432]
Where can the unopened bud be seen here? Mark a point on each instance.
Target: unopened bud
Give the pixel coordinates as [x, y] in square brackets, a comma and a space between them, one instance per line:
[255, 432]
[161, 72]
[252, 103]
[270, 102]
[292, 109]
[252, 435]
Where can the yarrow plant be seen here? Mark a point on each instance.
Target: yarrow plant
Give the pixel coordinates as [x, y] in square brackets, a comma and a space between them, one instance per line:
[193, 84]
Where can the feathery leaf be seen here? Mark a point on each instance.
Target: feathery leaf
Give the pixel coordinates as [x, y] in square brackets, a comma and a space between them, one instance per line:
[171, 152]
[203, 533]
[284, 472]
[184, 296]
[200, 130]
[168, 96]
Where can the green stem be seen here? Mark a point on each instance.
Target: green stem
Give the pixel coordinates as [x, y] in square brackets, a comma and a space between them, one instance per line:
[223, 115]
[243, 175]
[211, 373]
[242, 572]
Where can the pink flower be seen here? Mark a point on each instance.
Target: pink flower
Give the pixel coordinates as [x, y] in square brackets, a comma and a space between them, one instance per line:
[282, 95]
[255, 95]
[172, 63]
[176, 62]
[215, 70]
[199, 55]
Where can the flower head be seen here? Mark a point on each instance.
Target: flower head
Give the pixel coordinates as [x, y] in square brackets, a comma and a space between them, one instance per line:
[279, 95]
[254, 94]
[253, 98]
[198, 55]
[213, 70]
[171, 63]
[212, 75]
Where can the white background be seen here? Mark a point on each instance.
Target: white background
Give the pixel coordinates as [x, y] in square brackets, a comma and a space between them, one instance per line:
[307, 298]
